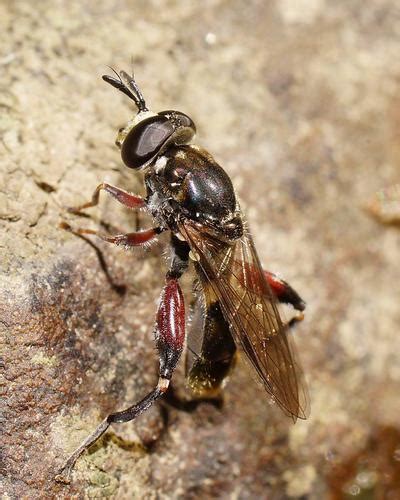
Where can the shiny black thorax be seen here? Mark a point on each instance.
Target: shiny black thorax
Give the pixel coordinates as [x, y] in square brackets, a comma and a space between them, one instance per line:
[186, 182]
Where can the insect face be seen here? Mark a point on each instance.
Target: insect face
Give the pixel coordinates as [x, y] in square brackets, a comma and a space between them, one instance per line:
[143, 142]
[148, 134]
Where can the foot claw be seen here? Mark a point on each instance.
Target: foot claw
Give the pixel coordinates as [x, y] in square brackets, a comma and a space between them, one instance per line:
[73, 210]
[64, 225]
[63, 477]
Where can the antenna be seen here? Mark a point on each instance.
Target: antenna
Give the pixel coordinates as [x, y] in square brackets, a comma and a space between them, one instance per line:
[126, 84]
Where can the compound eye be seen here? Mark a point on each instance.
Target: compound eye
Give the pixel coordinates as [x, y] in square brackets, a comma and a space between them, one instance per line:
[180, 119]
[185, 129]
[145, 141]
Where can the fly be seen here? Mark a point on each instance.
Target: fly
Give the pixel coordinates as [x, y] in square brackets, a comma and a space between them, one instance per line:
[236, 301]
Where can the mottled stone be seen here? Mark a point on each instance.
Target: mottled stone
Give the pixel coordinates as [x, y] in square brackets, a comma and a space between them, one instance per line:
[299, 102]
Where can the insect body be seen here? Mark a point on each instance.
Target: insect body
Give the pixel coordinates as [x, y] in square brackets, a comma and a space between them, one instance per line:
[191, 196]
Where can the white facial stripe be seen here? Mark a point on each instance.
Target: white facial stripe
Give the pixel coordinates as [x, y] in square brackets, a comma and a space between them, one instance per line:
[160, 164]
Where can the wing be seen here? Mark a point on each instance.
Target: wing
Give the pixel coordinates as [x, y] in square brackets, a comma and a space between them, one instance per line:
[235, 275]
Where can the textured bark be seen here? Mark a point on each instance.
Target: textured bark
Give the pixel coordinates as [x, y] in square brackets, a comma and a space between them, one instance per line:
[299, 102]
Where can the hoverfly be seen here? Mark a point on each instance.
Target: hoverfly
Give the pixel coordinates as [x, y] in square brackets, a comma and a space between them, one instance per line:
[190, 195]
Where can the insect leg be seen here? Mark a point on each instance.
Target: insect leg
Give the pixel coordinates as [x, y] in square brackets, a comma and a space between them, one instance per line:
[127, 240]
[296, 319]
[169, 338]
[132, 201]
[284, 292]
[252, 278]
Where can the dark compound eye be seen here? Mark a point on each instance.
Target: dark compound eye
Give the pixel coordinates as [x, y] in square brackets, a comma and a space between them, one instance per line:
[182, 123]
[145, 140]
[151, 136]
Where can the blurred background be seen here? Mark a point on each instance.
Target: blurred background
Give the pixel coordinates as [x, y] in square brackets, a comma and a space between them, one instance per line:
[299, 101]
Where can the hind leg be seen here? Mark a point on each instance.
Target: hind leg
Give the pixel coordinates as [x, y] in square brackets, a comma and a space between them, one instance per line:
[169, 340]
[284, 292]
[170, 335]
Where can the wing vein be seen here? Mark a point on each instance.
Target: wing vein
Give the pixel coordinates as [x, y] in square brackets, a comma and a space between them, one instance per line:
[235, 275]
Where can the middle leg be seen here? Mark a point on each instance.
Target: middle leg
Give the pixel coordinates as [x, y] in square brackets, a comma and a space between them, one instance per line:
[128, 240]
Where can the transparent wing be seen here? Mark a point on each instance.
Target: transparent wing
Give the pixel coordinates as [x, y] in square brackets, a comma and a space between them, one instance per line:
[236, 277]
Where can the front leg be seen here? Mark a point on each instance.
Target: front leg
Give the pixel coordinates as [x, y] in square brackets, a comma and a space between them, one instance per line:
[169, 338]
[129, 200]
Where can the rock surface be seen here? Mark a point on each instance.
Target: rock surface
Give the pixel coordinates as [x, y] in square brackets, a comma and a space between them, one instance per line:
[299, 101]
